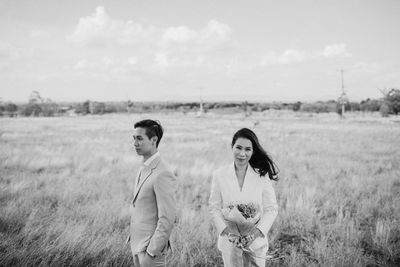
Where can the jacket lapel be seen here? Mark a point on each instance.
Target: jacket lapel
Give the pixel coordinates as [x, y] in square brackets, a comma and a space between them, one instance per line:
[146, 172]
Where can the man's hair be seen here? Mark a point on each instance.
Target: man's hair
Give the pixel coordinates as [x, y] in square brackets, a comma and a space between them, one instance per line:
[153, 128]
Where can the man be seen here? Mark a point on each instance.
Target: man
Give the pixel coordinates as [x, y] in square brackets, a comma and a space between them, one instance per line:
[153, 204]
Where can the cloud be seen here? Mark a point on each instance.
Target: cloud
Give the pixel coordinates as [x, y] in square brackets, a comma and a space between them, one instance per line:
[214, 35]
[161, 48]
[49, 31]
[36, 33]
[8, 52]
[187, 47]
[9, 57]
[368, 68]
[335, 50]
[164, 59]
[289, 56]
[132, 61]
[102, 64]
[106, 69]
[161, 60]
[95, 28]
[81, 64]
[100, 29]
[133, 33]
[233, 66]
[181, 34]
[168, 47]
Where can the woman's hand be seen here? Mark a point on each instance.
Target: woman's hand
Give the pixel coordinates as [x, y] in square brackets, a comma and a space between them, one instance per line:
[235, 239]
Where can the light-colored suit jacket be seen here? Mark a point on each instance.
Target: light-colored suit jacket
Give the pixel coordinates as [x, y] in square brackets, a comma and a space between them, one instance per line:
[153, 209]
[225, 191]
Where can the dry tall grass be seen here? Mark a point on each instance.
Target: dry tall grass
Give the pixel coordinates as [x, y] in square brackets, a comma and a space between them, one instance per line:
[65, 185]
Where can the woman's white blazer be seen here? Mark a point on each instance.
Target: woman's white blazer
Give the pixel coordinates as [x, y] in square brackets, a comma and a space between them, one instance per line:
[225, 190]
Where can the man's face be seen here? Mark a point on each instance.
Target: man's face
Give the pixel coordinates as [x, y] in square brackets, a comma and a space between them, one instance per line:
[143, 145]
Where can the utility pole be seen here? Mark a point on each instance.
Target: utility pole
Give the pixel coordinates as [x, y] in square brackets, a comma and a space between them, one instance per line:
[343, 100]
[343, 93]
[200, 112]
[341, 72]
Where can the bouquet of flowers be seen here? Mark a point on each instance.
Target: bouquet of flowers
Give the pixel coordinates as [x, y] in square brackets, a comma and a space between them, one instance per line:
[241, 219]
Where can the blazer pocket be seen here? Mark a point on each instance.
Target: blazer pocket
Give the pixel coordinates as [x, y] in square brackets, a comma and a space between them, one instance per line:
[142, 231]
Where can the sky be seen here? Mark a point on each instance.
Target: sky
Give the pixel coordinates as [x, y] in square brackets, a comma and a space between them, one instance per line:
[186, 50]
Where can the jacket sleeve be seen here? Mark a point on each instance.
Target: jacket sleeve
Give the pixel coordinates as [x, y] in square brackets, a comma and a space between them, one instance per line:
[269, 206]
[215, 206]
[164, 189]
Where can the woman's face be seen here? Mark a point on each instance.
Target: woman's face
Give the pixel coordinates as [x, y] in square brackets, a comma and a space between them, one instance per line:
[242, 151]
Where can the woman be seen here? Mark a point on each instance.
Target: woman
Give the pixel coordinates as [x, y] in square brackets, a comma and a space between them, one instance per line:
[247, 180]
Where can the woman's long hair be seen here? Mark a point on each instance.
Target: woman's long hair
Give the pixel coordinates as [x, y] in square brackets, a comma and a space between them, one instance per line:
[260, 161]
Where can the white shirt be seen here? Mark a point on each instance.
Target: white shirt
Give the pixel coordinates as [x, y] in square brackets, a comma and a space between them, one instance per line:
[150, 160]
[145, 165]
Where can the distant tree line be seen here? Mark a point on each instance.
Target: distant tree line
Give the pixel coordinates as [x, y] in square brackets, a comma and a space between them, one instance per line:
[36, 106]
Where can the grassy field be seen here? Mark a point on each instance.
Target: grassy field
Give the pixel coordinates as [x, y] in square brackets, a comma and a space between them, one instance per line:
[65, 186]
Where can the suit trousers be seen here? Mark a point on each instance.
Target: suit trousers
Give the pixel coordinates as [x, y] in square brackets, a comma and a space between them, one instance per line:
[158, 261]
[236, 257]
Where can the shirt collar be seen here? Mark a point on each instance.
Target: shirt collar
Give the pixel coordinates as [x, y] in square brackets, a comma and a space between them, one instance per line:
[151, 159]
